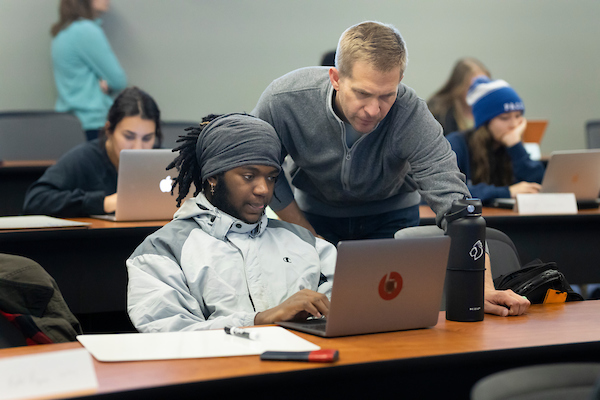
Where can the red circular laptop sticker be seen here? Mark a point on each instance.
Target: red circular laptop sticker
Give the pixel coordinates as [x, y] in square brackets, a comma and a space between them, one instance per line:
[390, 286]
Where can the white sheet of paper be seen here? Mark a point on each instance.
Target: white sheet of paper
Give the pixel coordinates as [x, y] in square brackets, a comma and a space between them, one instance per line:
[546, 203]
[37, 221]
[47, 374]
[198, 344]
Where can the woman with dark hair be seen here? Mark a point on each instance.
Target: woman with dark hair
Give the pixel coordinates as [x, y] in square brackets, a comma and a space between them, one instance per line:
[448, 105]
[84, 181]
[492, 155]
[86, 70]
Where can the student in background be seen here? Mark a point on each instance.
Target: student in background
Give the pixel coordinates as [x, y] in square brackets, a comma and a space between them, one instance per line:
[492, 155]
[449, 105]
[221, 261]
[84, 181]
[86, 70]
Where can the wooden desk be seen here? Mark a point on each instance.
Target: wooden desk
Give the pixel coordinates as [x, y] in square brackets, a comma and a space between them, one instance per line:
[15, 179]
[572, 241]
[88, 264]
[441, 362]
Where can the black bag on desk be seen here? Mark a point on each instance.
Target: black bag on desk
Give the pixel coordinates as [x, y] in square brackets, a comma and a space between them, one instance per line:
[540, 282]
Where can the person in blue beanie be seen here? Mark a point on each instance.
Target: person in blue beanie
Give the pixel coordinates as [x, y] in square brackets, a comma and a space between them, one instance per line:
[492, 155]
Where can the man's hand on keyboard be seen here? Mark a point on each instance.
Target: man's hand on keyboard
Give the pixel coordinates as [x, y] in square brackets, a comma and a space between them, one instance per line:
[297, 307]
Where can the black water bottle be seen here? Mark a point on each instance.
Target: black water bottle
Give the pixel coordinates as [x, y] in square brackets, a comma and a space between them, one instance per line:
[465, 275]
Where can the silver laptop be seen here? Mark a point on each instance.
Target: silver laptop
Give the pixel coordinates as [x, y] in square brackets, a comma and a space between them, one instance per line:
[570, 171]
[383, 285]
[144, 186]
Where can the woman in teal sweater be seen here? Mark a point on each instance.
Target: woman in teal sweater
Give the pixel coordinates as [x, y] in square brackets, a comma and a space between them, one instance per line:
[86, 70]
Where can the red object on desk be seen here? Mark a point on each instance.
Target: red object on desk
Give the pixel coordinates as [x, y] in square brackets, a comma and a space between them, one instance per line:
[322, 356]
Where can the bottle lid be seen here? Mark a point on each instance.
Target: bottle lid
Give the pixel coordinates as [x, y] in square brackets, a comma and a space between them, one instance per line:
[470, 207]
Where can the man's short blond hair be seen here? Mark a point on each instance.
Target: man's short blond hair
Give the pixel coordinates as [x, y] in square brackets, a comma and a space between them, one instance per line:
[380, 45]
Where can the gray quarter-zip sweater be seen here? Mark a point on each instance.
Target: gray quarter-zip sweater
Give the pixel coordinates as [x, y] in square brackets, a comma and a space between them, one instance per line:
[384, 170]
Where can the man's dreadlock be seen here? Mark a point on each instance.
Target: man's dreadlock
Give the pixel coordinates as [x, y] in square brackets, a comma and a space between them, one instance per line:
[186, 162]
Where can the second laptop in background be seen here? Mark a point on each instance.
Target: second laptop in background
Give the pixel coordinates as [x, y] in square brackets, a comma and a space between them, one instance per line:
[144, 186]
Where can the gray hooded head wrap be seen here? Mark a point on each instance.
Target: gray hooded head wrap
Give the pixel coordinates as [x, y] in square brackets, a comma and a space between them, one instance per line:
[234, 140]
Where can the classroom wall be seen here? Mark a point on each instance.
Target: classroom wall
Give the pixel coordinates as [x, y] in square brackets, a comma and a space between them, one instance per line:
[199, 56]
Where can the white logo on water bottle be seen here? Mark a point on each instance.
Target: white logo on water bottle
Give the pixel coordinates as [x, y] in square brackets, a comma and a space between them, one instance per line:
[476, 251]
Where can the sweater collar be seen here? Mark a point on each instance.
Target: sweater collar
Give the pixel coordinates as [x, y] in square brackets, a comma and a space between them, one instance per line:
[216, 222]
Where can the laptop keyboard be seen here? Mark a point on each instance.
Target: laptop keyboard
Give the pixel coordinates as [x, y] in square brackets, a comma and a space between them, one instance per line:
[318, 324]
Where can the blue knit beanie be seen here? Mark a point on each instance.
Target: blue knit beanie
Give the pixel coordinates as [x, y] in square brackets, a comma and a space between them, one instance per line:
[490, 98]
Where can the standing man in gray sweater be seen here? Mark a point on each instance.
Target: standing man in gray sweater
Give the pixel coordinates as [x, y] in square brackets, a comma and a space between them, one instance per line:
[363, 146]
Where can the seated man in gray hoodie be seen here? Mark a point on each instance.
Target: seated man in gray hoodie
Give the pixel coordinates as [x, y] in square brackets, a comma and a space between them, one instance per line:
[363, 147]
[221, 261]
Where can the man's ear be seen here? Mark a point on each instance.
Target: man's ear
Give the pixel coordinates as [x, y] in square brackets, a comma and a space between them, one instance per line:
[334, 77]
[107, 127]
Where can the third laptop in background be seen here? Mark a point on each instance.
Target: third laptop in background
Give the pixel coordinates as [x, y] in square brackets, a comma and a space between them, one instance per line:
[570, 171]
